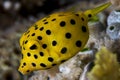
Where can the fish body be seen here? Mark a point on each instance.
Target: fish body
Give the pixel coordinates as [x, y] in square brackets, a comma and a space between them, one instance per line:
[55, 39]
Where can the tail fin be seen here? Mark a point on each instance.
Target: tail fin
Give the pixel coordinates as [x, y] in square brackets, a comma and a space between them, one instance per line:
[92, 12]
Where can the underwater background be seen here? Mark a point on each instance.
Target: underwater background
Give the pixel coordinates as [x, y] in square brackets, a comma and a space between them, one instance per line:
[17, 15]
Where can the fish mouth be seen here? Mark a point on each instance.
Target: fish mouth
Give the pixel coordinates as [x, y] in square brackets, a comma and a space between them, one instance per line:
[22, 71]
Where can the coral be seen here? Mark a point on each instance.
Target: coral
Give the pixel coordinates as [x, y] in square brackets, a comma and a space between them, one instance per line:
[114, 17]
[106, 66]
[113, 22]
[86, 69]
[69, 70]
[113, 30]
